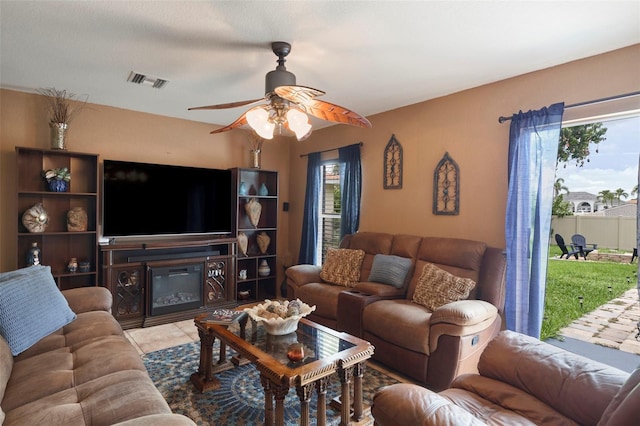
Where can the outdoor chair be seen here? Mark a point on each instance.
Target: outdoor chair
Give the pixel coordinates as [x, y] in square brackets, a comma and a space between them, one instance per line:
[566, 251]
[580, 242]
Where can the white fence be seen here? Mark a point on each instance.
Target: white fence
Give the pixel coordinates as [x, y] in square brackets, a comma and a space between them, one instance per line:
[608, 232]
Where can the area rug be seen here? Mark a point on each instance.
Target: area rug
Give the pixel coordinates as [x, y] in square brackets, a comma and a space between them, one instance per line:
[240, 398]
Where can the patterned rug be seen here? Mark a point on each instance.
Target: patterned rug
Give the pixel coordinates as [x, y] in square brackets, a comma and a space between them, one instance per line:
[240, 398]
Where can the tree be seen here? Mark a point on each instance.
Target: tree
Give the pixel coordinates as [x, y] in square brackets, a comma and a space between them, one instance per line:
[619, 194]
[606, 196]
[558, 187]
[575, 142]
[634, 191]
[561, 208]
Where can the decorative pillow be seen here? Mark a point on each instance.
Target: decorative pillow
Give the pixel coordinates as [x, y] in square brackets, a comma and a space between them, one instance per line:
[437, 287]
[31, 307]
[342, 266]
[389, 269]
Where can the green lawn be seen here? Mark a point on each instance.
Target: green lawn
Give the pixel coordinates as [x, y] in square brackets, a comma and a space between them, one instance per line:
[568, 280]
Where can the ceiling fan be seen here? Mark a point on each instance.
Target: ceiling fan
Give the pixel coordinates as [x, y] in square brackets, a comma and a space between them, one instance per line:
[287, 105]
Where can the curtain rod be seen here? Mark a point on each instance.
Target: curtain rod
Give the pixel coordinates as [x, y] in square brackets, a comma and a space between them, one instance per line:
[327, 150]
[595, 101]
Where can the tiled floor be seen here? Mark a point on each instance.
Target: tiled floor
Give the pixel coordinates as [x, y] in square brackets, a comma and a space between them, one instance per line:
[612, 325]
[164, 336]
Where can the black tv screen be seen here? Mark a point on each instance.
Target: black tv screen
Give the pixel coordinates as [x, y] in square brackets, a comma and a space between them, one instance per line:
[140, 199]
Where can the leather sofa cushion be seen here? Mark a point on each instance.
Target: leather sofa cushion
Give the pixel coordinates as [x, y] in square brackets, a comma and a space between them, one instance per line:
[581, 390]
[623, 409]
[323, 296]
[462, 258]
[400, 322]
[495, 402]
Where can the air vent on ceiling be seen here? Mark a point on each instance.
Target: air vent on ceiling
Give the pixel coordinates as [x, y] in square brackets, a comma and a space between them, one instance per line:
[148, 80]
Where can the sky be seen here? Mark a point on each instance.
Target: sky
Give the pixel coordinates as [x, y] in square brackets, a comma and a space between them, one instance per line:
[614, 166]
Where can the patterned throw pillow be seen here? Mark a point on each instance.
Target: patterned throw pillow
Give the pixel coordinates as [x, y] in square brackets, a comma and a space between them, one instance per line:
[31, 307]
[390, 269]
[437, 287]
[342, 267]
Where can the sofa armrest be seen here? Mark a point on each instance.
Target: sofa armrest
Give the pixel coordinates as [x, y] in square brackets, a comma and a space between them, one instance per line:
[464, 313]
[409, 404]
[86, 299]
[299, 275]
[461, 318]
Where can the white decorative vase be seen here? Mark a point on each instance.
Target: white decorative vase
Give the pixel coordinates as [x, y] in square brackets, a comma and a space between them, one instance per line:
[264, 270]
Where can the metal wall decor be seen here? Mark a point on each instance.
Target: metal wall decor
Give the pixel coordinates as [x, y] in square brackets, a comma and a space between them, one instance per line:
[446, 187]
[393, 164]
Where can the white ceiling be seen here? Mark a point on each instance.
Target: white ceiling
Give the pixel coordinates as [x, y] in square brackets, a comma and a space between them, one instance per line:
[369, 56]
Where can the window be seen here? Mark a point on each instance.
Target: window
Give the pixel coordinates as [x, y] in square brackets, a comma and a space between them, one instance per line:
[329, 221]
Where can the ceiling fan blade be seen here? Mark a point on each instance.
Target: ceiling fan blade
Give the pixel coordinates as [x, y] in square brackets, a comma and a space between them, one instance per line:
[229, 105]
[304, 98]
[241, 121]
[298, 94]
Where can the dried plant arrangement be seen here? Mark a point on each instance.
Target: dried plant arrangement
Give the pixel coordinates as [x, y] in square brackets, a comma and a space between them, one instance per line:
[62, 105]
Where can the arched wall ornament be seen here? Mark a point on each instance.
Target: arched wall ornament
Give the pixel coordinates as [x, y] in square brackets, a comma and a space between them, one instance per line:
[446, 187]
[393, 164]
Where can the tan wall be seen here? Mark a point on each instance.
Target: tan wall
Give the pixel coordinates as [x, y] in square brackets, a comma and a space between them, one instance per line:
[466, 126]
[120, 134]
[463, 124]
[605, 231]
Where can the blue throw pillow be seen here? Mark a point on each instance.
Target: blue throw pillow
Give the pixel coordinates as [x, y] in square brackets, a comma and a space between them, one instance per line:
[31, 307]
[389, 269]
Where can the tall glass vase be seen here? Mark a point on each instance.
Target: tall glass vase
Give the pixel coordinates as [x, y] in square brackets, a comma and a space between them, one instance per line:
[58, 134]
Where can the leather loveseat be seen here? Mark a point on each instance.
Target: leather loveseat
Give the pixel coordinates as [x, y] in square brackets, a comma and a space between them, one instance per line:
[521, 381]
[432, 346]
[84, 373]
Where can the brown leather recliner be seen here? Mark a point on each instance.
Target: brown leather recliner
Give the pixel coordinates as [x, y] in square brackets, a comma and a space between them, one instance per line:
[432, 347]
[521, 381]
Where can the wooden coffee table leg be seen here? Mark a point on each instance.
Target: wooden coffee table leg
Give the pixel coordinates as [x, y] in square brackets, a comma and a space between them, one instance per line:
[203, 379]
[321, 389]
[304, 393]
[268, 400]
[357, 391]
[279, 393]
[345, 374]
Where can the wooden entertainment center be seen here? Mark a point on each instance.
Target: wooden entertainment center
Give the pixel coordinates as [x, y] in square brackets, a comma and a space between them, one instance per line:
[128, 271]
[153, 280]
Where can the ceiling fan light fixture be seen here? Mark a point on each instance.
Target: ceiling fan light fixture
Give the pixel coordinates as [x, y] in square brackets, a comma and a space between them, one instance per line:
[258, 119]
[298, 123]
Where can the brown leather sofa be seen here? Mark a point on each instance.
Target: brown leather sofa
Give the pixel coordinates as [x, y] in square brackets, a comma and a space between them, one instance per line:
[521, 381]
[432, 347]
[86, 373]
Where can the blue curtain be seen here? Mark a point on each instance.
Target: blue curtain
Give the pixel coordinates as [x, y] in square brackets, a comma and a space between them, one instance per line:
[350, 187]
[308, 245]
[533, 151]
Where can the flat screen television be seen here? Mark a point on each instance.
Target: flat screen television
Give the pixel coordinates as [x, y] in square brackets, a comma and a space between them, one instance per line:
[141, 199]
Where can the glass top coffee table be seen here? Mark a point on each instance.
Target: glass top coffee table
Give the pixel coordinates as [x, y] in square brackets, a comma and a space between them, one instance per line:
[326, 352]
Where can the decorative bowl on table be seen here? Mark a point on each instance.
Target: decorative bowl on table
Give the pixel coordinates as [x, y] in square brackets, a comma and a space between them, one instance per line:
[280, 317]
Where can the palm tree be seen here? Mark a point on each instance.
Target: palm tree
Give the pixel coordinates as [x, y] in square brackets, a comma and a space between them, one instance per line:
[606, 196]
[619, 194]
[559, 187]
[634, 191]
